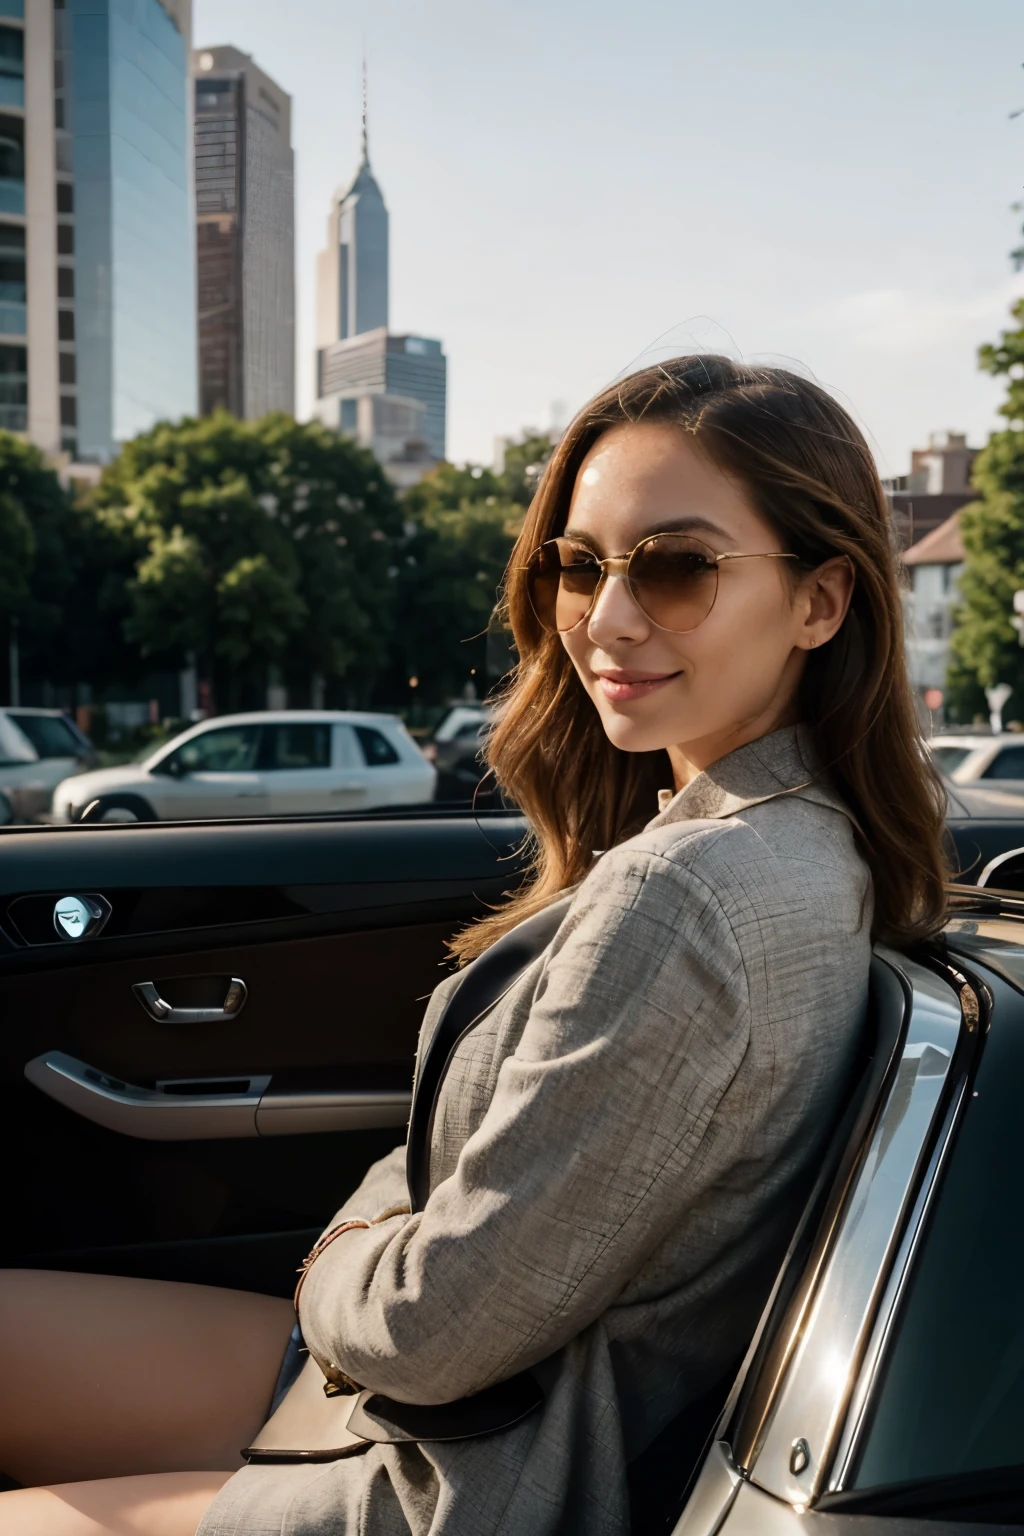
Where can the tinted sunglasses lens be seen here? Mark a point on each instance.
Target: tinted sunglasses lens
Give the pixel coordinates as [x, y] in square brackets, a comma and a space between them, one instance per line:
[674, 580]
[561, 580]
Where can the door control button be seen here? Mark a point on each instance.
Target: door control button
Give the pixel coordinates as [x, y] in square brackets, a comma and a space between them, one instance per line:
[80, 917]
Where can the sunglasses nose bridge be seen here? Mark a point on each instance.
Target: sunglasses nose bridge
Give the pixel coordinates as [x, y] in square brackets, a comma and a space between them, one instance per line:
[615, 568]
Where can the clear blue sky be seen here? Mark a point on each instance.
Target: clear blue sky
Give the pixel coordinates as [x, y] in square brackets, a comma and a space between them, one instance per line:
[570, 181]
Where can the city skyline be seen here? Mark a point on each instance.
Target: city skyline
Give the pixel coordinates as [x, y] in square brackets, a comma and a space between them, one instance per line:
[566, 187]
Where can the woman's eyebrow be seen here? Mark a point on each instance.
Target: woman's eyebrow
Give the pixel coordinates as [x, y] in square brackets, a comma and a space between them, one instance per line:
[672, 525]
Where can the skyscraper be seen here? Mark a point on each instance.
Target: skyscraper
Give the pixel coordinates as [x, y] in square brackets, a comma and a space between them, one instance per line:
[245, 218]
[95, 200]
[352, 273]
[387, 391]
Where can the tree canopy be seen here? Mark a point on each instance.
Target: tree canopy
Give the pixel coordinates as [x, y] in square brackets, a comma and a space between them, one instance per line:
[257, 551]
[985, 646]
[257, 544]
[459, 531]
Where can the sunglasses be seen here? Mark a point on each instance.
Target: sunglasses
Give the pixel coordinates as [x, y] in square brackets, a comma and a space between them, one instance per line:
[672, 578]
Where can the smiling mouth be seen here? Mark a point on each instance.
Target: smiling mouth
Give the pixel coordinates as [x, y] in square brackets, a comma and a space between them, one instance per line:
[621, 687]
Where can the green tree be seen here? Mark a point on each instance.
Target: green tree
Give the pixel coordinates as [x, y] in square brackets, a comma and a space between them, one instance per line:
[59, 573]
[985, 646]
[460, 526]
[257, 544]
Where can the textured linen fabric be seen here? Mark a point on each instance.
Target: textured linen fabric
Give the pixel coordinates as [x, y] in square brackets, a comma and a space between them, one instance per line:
[619, 1154]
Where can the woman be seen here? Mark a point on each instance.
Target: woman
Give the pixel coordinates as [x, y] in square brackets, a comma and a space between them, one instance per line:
[712, 690]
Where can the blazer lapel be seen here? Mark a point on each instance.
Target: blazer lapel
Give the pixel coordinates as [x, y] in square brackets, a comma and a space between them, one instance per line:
[483, 983]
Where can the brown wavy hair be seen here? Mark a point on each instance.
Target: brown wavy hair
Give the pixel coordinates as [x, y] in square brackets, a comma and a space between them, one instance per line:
[810, 473]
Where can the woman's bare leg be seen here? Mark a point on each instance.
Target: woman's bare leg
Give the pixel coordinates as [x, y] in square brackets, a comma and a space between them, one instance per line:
[104, 1377]
[168, 1504]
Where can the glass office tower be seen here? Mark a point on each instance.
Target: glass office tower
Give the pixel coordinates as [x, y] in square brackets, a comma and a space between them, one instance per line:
[135, 325]
[107, 137]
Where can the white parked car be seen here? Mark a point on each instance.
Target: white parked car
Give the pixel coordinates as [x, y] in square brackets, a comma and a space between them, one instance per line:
[38, 749]
[970, 759]
[293, 762]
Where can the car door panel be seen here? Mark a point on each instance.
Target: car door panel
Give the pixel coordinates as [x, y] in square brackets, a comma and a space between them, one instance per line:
[336, 927]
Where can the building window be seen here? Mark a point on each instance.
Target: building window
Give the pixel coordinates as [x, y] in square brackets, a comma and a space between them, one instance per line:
[12, 165]
[68, 411]
[65, 282]
[13, 293]
[65, 325]
[12, 67]
[65, 239]
[65, 197]
[68, 370]
[12, 8]
[13, 388]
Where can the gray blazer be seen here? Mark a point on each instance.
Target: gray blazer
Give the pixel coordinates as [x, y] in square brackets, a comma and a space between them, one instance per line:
[619, 1152]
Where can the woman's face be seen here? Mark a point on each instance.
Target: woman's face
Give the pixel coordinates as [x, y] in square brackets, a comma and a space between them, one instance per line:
[736, 675]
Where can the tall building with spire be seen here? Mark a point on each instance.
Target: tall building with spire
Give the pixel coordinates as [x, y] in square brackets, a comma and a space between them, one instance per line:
[352, 273]
[387, 391]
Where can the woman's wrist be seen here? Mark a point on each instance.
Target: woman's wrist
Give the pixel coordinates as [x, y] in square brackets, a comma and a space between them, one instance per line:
[317, 1249]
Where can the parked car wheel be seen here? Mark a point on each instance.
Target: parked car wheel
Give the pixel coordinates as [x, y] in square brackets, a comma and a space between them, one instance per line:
[118, 808]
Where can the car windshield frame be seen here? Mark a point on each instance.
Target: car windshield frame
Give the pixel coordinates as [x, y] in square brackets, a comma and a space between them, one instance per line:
[910, 1388]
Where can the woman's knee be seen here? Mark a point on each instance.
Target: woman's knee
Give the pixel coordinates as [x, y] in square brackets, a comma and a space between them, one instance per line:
[163, 1504]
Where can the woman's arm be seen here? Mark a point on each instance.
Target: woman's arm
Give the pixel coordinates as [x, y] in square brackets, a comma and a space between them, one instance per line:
[589, 1152]
[383, 1187]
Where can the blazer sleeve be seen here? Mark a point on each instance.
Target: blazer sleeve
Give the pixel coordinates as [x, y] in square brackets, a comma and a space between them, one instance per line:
[384, 1186]
[589, 1152]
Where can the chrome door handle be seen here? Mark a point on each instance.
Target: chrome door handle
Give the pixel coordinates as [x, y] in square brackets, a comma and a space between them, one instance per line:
[160, 1009]
[350, 789]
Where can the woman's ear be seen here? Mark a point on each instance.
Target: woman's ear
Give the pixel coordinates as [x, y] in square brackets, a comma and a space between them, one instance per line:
[827, 593]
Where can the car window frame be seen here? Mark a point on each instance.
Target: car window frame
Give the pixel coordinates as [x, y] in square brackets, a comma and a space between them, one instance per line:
[76, 744]
[988, 776]
[214, 730]
[268, 726]
[361, 726]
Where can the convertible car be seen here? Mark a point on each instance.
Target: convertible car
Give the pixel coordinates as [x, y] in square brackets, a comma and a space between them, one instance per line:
[189, 1010]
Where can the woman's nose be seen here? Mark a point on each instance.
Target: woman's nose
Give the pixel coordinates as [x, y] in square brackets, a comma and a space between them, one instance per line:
[615, 614]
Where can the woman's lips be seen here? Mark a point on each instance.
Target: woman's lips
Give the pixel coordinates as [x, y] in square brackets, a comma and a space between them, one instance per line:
[624, 686]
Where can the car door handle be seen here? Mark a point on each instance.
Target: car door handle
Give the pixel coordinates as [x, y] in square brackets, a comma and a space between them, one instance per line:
[160, 1009]
[220, 1108]
[350, 789]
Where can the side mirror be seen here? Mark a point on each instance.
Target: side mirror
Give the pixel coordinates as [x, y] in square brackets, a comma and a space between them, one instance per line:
[173, 767]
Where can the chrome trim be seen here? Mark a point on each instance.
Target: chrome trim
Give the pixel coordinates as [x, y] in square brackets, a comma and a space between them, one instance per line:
[165, 1114]
[148, 1114]
[811, 1401]
[755, 1513]
[712, 1494]
[88, 914]
[853, 1426]
[983, 878]
[164, 1012]
[297, 1114]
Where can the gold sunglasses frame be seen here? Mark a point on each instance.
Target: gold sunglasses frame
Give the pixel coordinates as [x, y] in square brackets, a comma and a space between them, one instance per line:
[618, 565]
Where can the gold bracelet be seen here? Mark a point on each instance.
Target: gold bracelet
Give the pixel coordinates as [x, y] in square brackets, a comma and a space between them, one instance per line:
[318, 1248]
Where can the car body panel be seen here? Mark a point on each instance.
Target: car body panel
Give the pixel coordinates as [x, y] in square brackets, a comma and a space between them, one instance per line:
[336, 926]
[249, 782]
[971, 759]
[31, 769]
